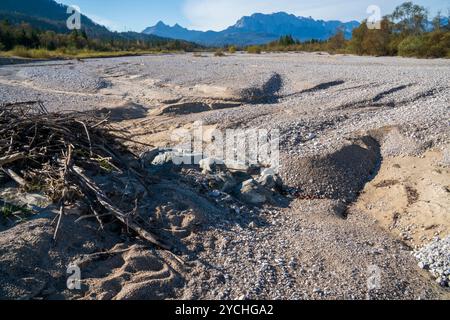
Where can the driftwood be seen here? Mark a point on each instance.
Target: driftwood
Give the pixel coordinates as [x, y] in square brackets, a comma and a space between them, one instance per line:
[121, 216]
[11, 158]
[62, 153]
[67, 165]
[18, 179]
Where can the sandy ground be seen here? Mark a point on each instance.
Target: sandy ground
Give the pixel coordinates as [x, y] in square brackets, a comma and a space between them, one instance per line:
[409, 197]
[364, 161]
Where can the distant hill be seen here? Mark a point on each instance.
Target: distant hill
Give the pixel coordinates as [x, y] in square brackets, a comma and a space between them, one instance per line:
[258, 29]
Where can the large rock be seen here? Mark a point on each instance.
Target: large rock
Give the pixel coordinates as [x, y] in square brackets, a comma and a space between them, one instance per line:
[269, 179]
[229, 182]
[251, 192]
[237, 166]
[149, 156]
[176, 157]
[163, 158]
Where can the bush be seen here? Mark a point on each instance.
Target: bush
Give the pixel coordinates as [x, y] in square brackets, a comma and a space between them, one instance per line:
[232, 49]
[437, 44]
[337, 42]
[412, 46]
[2, 46]
[254, 50]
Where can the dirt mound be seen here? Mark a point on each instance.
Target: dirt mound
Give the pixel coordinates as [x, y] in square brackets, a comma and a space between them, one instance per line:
[338, 175]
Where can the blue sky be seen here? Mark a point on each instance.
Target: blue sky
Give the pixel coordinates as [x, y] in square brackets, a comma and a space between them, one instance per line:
[136, 15]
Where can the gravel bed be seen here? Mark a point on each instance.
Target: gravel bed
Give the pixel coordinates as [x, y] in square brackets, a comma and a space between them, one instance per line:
[70, 78]
[435, 258]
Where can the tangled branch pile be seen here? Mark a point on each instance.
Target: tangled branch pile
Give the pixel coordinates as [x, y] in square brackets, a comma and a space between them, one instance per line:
[64, 154]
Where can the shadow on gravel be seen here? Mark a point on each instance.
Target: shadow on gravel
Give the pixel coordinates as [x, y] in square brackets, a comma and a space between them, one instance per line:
[324, 86]
[173, 203]
[129, 111]
[376, 102]
[320, 87]
[266, 94]
[383, 94]
[340, 175]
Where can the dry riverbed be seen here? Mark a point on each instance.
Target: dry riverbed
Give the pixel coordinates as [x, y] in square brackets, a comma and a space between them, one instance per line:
[359, 210]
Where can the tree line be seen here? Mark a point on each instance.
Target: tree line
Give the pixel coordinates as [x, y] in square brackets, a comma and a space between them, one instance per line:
[25, 36]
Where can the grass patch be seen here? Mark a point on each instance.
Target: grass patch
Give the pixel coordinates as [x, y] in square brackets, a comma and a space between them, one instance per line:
[66, 53]
[105, 164]
[8, 210]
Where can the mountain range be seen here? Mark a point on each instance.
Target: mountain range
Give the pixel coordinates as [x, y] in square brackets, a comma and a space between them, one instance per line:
[258, 29]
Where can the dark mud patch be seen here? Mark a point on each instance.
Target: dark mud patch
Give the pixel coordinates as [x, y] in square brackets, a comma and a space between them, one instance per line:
[412, 195]
[387, 183]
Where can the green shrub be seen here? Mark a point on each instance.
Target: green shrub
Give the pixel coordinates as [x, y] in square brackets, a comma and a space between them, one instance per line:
[232, 49]
[437, 44]
[412, 46]
[254, 50]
